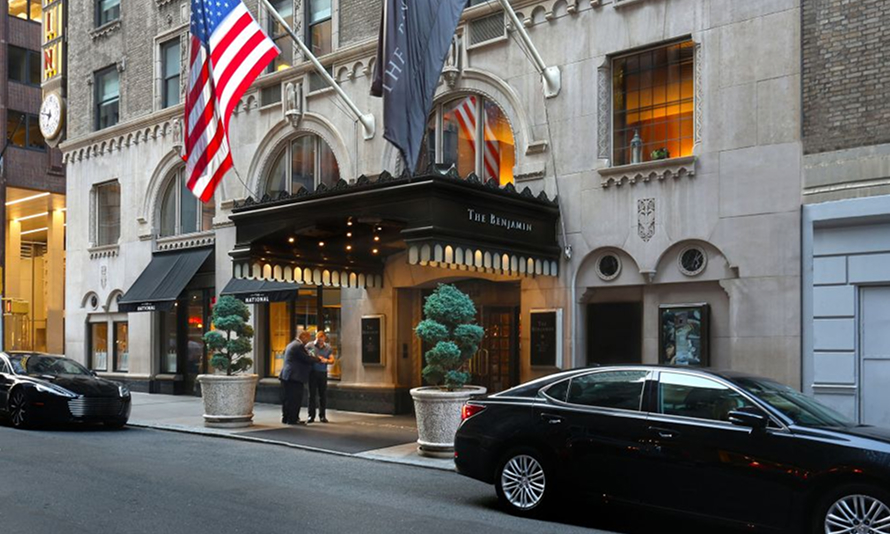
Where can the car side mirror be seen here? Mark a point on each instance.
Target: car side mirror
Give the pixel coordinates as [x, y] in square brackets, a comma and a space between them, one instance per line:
[757, 421]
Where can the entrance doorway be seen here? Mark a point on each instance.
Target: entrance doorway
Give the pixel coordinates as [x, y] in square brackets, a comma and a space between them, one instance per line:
[614, 333]
[874, 369]
[182, 338]
[496, 364]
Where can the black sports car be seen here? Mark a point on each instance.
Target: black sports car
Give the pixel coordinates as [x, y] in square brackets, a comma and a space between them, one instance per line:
[722, 445]
[39, 388]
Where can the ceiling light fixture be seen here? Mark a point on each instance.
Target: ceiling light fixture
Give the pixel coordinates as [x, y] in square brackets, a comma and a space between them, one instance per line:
[38, 230]
[290, 239]
[44, 214]
[374, 251]
[348, 234]
[32, 197]
[376, 238]
[321, 243]
[348, 247]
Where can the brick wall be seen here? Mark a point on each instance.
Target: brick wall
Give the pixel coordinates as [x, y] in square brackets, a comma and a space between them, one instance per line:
[359, 20]
[845, 74]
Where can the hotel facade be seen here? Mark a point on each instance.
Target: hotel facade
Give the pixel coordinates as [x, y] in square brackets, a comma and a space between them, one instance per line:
[647, 212]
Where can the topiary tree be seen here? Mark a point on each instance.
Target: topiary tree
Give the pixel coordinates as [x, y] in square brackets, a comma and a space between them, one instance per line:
[449, 327]
[230, 316]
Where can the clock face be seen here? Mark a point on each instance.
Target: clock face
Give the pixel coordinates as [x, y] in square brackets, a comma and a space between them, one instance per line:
[51, 116]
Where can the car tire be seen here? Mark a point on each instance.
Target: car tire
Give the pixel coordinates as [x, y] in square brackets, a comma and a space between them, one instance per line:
[850, 506]
[17, 408]
[524, 482]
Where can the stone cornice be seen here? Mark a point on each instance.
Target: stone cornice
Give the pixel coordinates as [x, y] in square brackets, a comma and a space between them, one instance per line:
[122, 134]
[105, 30]
[648, 171]
[201, 239]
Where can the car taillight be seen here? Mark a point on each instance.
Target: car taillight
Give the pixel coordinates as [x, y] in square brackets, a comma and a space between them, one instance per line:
[469, 410]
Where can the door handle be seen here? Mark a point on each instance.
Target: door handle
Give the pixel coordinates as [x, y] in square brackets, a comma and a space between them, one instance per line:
[664, 433]
[552, 419]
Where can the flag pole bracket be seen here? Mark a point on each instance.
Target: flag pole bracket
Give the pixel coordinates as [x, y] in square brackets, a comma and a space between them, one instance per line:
[552, 81]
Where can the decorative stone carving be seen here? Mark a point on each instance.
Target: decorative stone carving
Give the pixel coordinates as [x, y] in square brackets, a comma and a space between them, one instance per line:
[293, 103]
[646, 218]
[454, 64]
[604, 110]
[105, 30]
[177, 136]
[648, 171]
[107, 251]
[203, 239]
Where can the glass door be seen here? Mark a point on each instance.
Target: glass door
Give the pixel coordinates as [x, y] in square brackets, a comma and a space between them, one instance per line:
[194, 321]
[496, 365]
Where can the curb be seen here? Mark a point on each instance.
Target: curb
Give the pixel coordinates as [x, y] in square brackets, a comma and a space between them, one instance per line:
[250, 439]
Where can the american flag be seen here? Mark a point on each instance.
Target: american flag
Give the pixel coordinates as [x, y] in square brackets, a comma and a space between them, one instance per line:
[228, 51]
[467, 118]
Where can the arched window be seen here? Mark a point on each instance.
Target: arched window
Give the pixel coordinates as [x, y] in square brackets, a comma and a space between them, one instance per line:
[181, 212]
[474, 135]
[303, 162]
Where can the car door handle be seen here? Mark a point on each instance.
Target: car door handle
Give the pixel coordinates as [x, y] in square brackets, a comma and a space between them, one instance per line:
[552, 419]
[664, 433]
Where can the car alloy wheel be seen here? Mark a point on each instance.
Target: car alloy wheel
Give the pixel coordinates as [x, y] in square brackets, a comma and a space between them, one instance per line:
[523, 482]
[858, 514]
[18, 406]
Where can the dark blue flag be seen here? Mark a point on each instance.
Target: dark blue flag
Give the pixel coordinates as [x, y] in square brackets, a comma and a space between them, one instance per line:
[415, 36]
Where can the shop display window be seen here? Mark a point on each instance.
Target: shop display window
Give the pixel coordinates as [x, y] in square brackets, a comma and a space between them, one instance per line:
[99, 346]
[121, 346]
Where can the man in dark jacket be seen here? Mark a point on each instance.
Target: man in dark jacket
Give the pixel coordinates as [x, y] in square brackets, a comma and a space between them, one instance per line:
[295, 373]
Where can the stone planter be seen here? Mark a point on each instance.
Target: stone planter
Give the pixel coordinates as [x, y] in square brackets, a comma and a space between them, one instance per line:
[438, 416]
[228, 400]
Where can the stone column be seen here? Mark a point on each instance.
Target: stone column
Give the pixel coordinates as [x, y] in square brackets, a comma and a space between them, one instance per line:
[55, 283]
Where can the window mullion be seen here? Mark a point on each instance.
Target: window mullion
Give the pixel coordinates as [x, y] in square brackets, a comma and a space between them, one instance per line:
[480, 141]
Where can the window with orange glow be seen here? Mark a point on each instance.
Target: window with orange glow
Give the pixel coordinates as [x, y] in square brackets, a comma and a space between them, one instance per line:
[653, 98]
[473, 134]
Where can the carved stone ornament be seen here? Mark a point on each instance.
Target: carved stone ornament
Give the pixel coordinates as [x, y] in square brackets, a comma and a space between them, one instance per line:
[104, 277]
[454, 64]
[646, 218]
[177, 135]
[293, 100]
[604, 111]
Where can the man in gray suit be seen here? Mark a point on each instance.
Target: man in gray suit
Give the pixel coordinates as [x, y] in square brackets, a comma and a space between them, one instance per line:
[295, 373]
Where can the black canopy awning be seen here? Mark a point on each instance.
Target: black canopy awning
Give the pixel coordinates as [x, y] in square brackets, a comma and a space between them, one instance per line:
[259, 291]
[342, 235]
[161, 283]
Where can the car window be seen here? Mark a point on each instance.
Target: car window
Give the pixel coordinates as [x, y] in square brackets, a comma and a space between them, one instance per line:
[801, 409]
[35, 364]
[4, 368]
[698, 397]
[610, 389]
[558, 390]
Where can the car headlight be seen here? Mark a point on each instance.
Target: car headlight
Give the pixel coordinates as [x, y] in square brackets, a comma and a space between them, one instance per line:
[55, 390]
[124, 390]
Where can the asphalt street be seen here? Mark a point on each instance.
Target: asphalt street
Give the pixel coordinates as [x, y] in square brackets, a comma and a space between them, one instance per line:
[97, 481]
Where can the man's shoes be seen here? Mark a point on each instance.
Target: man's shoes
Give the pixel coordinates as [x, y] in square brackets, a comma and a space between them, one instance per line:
[311, 420]
[323, 419]
[283, 420]
[297, 422]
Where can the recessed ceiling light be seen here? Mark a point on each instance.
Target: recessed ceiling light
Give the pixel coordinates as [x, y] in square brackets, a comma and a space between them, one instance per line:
[321, 243]
[348, 223]
[376, 238]
[32, 197]
[374, 251]
[36, 215]
[348, 247]
[44, 229]
[348, 234]
[290, 240]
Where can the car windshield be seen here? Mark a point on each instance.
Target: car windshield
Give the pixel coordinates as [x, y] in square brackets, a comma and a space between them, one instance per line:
[801, 409]
[38, 364]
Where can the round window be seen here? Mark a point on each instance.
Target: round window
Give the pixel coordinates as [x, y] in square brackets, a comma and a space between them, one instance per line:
[608, 267]
[94, 302]
[692, 261]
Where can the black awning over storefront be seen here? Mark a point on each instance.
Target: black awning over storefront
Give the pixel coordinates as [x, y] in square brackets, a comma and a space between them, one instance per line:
[161, 283]
[260, 291]
[342, 235]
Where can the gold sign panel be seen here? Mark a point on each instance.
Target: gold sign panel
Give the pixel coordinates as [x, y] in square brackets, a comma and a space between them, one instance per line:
[53, 38]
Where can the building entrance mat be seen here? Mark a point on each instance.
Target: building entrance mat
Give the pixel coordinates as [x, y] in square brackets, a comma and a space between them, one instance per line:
[352, 437]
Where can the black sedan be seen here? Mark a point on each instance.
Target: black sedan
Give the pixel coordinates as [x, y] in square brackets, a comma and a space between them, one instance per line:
[39, 388]
[719, 445]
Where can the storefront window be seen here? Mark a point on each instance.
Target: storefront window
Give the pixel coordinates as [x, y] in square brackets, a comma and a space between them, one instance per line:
[121, 346]
[311, 161]
[195, 332]
[168, 342]
[279, 335]
[99, 346]
[181, 212]
[474, 135]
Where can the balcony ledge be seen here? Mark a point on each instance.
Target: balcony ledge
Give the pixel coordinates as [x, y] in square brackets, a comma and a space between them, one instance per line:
[648, 171]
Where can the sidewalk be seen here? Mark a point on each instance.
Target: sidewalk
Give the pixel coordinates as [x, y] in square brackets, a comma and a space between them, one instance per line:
[384, 438]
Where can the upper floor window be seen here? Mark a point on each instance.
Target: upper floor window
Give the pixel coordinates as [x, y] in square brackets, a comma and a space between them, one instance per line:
[284, 60]
[653, 104]
[26, 9]
[303, 163]
[474, 135]
[181, 211]
[170, 68]
[319, 26]
[107, 11]
[107, 98]
[24, 130]
[24, 66]
[108, 213]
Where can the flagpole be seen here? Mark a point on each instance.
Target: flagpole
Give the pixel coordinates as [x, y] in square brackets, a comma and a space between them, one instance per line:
[552, 76]
[367, 119]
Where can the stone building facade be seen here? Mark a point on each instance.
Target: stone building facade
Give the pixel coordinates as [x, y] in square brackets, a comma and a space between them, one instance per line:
[846, 213]
[673, 149]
